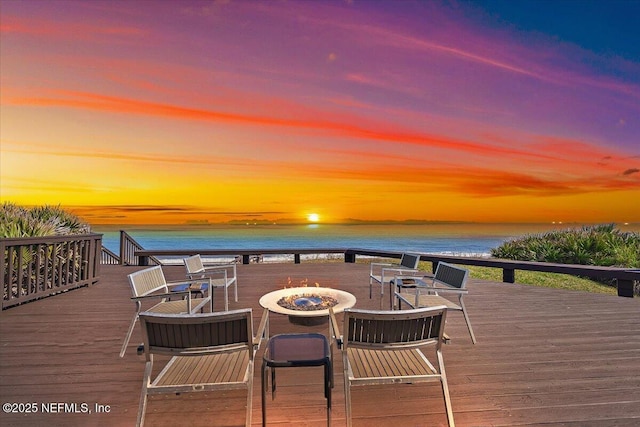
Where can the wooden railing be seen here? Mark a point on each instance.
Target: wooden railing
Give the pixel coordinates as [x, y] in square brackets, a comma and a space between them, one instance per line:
[146, 256]
[625, 277]
[108, 257]
[128, 249]
[37, 267]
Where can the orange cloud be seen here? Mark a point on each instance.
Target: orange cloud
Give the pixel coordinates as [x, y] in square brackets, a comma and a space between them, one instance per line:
[122, 105]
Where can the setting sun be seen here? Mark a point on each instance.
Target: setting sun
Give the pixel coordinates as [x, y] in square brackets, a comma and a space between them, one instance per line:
[314, 217]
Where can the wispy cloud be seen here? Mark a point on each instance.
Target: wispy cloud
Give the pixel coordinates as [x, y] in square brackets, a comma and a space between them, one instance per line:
[119, 105]
[269, 105]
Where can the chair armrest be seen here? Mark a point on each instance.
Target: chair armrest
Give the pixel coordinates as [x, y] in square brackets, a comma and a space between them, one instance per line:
[262, 330]
[400, 270]
[446, 339]
[417, 278]
[335, 330]
[211, 274]
[183, 282]
[218, 268]
[213, 270]
[220, 265]
[409, 280]
[443, 290]
[163, 295]
[378, 265]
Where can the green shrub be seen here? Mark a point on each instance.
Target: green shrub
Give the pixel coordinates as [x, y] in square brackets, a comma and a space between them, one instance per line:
[603, 245]
[17, 221]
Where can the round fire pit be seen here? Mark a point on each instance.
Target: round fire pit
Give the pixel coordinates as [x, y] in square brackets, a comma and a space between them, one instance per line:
[307, 305]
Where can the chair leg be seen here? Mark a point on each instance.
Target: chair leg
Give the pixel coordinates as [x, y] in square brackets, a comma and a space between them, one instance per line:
[143, 395]
[466, 319]
[264, 384]
[235, 287]
[347, 398]
[328, 383]
[273, 383]
[249, 399]
[128, 336]
[445, 391]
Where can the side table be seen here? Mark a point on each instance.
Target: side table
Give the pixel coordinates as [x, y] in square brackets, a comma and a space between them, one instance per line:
[296, 350]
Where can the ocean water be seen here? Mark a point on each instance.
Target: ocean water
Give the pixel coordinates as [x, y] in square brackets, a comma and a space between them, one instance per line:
[460, 239]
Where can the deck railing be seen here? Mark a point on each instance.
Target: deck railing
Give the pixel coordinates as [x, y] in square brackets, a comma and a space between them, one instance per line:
[37, 267]
[109, 257]
[128, 248]
[625, 278]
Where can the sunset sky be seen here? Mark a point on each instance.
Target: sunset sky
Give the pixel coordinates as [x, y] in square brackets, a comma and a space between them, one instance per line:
[177, 111]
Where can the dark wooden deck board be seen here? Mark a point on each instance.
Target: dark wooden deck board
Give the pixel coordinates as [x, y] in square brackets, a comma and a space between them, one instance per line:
[544, 357]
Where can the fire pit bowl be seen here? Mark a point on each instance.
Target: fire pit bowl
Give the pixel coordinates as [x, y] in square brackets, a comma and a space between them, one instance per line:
[307, 305]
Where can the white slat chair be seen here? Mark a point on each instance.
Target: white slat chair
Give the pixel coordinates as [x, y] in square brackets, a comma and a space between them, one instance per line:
[448, 280]
[383, 272]
[221, 275]
[211, 351]
[150, 285]
[386, 347]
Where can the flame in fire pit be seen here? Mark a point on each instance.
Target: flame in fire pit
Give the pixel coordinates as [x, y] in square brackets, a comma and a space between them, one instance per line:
[303, 283]
[306, 301]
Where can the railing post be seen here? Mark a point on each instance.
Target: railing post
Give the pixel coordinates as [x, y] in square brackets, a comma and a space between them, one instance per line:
[625, 288]
[508, 275]
[122, 248]
[296, 258]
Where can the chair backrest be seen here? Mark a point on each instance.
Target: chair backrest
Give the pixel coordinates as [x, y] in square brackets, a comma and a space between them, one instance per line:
[410, 260]
[451, 275]
[394, 329]
[147, 281]
[193, 264]
[197, 334]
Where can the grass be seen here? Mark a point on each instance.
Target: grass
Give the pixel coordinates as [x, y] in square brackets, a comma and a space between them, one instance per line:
[523, 277]
[543, 279]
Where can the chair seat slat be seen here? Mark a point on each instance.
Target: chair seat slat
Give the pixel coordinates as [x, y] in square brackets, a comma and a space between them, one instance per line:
[210, 369]
[430, 301]
[387, 363]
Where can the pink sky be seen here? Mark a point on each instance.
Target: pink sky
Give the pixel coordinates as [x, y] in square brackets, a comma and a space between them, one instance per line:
[159, 112]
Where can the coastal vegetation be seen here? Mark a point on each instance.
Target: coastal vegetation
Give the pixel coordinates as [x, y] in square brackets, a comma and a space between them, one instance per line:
[50, 251]
[39, 221]
[602, 245]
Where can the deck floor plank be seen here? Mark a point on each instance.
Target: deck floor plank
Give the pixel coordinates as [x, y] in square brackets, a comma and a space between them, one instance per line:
[543, 357]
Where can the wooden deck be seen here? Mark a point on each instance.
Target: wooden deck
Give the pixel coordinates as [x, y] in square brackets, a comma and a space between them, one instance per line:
[544, 357]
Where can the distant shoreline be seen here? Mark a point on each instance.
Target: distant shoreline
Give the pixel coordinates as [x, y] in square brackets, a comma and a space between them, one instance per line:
[459, 239]
[632, 225]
